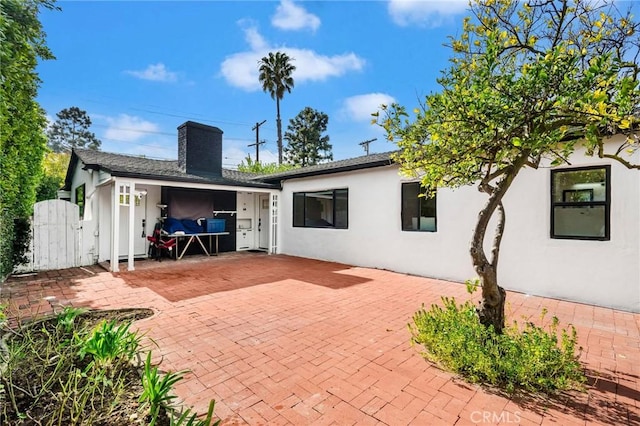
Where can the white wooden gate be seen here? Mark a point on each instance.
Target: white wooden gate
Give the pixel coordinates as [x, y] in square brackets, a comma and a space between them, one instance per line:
[55, 231]
[56, 235]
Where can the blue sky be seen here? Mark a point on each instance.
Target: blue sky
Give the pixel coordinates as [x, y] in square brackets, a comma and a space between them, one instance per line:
[140, 69]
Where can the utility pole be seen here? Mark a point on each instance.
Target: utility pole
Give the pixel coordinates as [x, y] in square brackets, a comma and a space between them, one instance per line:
[258, 142]
[365, 145]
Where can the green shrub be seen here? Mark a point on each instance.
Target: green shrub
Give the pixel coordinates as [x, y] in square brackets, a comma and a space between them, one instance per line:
[42, 378]
[157, 395]
[21, 241]
[78, 368]
[157, 389]
[22, 120]
[66, 318]
[109, 341]
[525, 357]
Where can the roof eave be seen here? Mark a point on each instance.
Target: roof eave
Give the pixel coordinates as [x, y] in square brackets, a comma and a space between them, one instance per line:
[224, 182]
[72, 165]
[348, 168]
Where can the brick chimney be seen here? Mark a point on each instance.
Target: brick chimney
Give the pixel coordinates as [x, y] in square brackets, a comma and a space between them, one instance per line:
[200, 149]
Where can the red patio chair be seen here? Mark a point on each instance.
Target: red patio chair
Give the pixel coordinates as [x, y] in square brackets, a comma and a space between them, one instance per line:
[159, 244]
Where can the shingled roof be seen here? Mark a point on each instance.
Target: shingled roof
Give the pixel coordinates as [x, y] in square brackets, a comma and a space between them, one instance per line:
[357, 163]
[141, 167]
[123, 165]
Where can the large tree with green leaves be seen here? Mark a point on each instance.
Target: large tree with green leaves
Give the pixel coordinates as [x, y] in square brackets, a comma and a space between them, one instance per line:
[54, 170]
[306, 144]
[275, 72]
[22, 121]
[71, 130]
[529, 83]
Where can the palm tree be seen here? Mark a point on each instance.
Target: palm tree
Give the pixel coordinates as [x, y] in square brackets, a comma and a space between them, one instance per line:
[275, 77]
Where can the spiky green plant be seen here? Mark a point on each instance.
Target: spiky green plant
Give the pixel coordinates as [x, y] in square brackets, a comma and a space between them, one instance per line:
[109, 341]
[157, 389]
[66, 318]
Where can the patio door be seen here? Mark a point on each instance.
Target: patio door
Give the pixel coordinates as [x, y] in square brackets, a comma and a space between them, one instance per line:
[140, 228]
[263, 221]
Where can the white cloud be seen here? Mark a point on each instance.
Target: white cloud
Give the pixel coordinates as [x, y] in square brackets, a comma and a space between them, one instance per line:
[241, 69]
[155, 72]
[128, 128]
[429, 13]
[252, 36]
[290, 16]
[360, 107]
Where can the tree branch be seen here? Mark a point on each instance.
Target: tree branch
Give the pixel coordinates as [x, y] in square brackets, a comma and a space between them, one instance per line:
[559, 25]
[480, 261]
[499, 172]
[497, 239]
[534, 164]
[620, 160]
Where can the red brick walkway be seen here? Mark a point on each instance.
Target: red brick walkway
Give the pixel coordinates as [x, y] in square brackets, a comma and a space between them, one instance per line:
[284, 340]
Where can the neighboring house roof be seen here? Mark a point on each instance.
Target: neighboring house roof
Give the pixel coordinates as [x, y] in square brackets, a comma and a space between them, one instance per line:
[357, 163]
[140, 167]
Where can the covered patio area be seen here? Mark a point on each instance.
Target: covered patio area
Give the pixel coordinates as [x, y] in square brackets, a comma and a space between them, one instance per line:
[284, 340]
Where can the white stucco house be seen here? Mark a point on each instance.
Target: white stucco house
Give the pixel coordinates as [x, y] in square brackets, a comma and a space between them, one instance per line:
[572, 232]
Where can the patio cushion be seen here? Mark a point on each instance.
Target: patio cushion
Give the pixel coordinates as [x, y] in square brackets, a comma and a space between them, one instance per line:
[173, 225]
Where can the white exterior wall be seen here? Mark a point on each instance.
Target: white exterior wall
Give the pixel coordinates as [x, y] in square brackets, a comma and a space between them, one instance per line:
[89, 224]
[374, 237]
[104, 223]
[604, 273]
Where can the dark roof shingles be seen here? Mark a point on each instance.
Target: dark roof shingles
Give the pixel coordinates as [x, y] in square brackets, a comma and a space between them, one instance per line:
[137, 166]
[130, 165]
[356, 163]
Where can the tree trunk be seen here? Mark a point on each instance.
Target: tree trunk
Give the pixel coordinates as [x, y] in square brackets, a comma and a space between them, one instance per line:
[279, 125]
[491, 308]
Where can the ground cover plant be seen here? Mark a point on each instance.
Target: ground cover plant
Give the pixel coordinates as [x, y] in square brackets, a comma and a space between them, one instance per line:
[85, 367]
[523, 357]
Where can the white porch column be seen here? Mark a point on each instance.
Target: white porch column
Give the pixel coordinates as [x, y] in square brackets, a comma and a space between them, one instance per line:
[115, 224]
[273, 219]
[132, 209]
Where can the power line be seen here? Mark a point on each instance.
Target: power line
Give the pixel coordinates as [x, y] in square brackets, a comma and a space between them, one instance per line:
[179, 114]
[153, 132]
[190, 117]
[201, 118]
[133, 130]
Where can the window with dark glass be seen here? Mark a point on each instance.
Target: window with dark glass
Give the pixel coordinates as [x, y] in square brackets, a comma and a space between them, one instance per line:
[580, 203]
[418, 211]
[321, 209]
[80, 200]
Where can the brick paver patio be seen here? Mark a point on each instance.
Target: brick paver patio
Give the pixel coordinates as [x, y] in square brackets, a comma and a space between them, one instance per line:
[283, 340]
